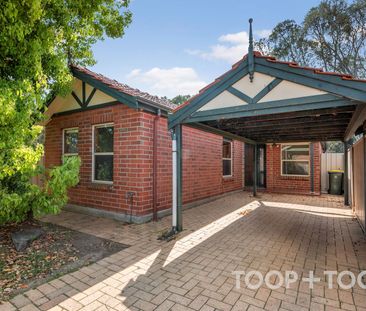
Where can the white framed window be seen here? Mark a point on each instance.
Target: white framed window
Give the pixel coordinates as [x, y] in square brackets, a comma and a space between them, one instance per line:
[295, 159]
[70, 138]
[102, 153]
[227, 157]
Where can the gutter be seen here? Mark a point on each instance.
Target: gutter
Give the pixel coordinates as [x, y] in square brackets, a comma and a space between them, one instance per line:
[153, 107]
[155, 165]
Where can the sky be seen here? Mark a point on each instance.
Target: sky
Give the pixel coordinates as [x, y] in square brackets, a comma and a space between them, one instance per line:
[178, 46]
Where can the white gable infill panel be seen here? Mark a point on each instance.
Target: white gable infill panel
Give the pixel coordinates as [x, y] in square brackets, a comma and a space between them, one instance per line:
[251, 89]
[100, 98]
[69, 103]
[223, 100]
[288, 90]
[284, 90]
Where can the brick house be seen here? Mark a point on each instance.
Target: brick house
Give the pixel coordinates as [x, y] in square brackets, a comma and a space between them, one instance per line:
[122, 137]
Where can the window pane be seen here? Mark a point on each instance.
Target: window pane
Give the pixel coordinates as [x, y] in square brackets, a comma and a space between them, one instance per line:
[103, 167]
[71, 141]
[226, 149]
[103, 139]
[295, 168]
[295, 152]
[226, 167]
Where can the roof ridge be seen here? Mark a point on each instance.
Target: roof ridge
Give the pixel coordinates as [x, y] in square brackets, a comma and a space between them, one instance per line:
[344, 76]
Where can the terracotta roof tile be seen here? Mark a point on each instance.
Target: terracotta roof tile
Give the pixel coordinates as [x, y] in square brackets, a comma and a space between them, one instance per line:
[126, 89]
[344, 76]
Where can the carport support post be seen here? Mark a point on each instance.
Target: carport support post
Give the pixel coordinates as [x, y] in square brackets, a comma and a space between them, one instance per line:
[255, 170]
[345, 177]
[177, 178]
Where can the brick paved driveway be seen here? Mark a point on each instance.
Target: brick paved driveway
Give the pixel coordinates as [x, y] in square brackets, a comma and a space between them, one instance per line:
[194, 272]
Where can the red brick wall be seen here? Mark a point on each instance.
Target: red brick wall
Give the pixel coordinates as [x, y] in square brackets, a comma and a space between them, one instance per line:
[131, 164]
[290, 184]
[202, 165]
[133, 161]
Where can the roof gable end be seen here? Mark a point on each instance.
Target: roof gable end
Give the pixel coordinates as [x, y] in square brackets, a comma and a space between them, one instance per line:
[280, 81]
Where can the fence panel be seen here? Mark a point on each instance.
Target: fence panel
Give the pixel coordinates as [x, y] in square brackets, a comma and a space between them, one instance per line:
[358, 196]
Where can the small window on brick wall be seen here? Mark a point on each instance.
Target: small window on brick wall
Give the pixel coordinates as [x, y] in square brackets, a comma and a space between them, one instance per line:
[70, 142]
[295, 159]
[103, 153]
[227, 155]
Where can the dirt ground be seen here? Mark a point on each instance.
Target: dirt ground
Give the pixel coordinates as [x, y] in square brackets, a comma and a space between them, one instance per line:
[57, 251]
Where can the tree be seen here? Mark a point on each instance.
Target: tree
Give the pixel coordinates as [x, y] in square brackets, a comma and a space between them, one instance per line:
[332, 36]
[287, 42]
[39, 40]
[180, 99]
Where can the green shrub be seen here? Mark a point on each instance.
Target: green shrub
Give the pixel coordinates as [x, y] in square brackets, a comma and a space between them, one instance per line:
[20, 199]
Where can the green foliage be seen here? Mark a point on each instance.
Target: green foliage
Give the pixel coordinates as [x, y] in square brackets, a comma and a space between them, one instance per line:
[332, 36]
[38, 41]
[53, 196]
[334, 147]
[287, 42]
[21, 199]
[180, 99]
[40, 37]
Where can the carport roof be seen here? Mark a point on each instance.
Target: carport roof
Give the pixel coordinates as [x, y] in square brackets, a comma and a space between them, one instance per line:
[262, 99]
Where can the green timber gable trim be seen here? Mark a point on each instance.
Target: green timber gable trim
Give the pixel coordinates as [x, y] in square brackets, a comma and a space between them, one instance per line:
[278, 106]
[120, 98]
[257, 97]
[350, 92]
[240, 95]
[77, 99]
[126, 99]
[90, 96]
[142, 106]
[266, 90]
[83, 102]
[226, 81]
[355, 90]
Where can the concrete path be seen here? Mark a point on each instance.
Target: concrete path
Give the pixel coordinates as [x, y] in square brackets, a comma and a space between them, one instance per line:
[195, 271]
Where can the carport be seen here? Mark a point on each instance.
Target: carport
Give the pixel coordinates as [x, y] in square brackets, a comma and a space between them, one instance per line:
[263, 100]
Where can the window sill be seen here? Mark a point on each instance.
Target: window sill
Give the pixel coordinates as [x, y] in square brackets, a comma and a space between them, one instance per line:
[297, 177]
[227, 178]
[100, 186]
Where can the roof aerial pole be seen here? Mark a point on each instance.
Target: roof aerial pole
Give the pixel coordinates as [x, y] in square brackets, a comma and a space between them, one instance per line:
[251, 52]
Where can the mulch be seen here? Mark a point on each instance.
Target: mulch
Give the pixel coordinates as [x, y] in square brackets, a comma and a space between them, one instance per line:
[56, 252]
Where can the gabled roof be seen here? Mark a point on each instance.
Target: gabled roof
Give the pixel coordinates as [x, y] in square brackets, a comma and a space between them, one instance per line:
[125, 89]
[292, 66]
[306, 104]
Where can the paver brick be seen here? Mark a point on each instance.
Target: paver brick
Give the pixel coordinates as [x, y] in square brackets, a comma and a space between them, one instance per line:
[165, 306]
[180, 299]
[198, 302]
[194, 272]
[272, 304]
[20, 301]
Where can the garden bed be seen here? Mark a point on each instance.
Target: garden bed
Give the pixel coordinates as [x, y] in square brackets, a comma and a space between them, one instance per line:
[57, 251]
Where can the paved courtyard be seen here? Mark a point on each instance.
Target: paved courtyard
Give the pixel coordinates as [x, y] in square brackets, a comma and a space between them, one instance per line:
[194, 272]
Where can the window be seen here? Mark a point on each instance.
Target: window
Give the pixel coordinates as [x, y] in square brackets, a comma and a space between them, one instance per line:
[70, 142]
[227, 155]
[103, 153]
[295, 159]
